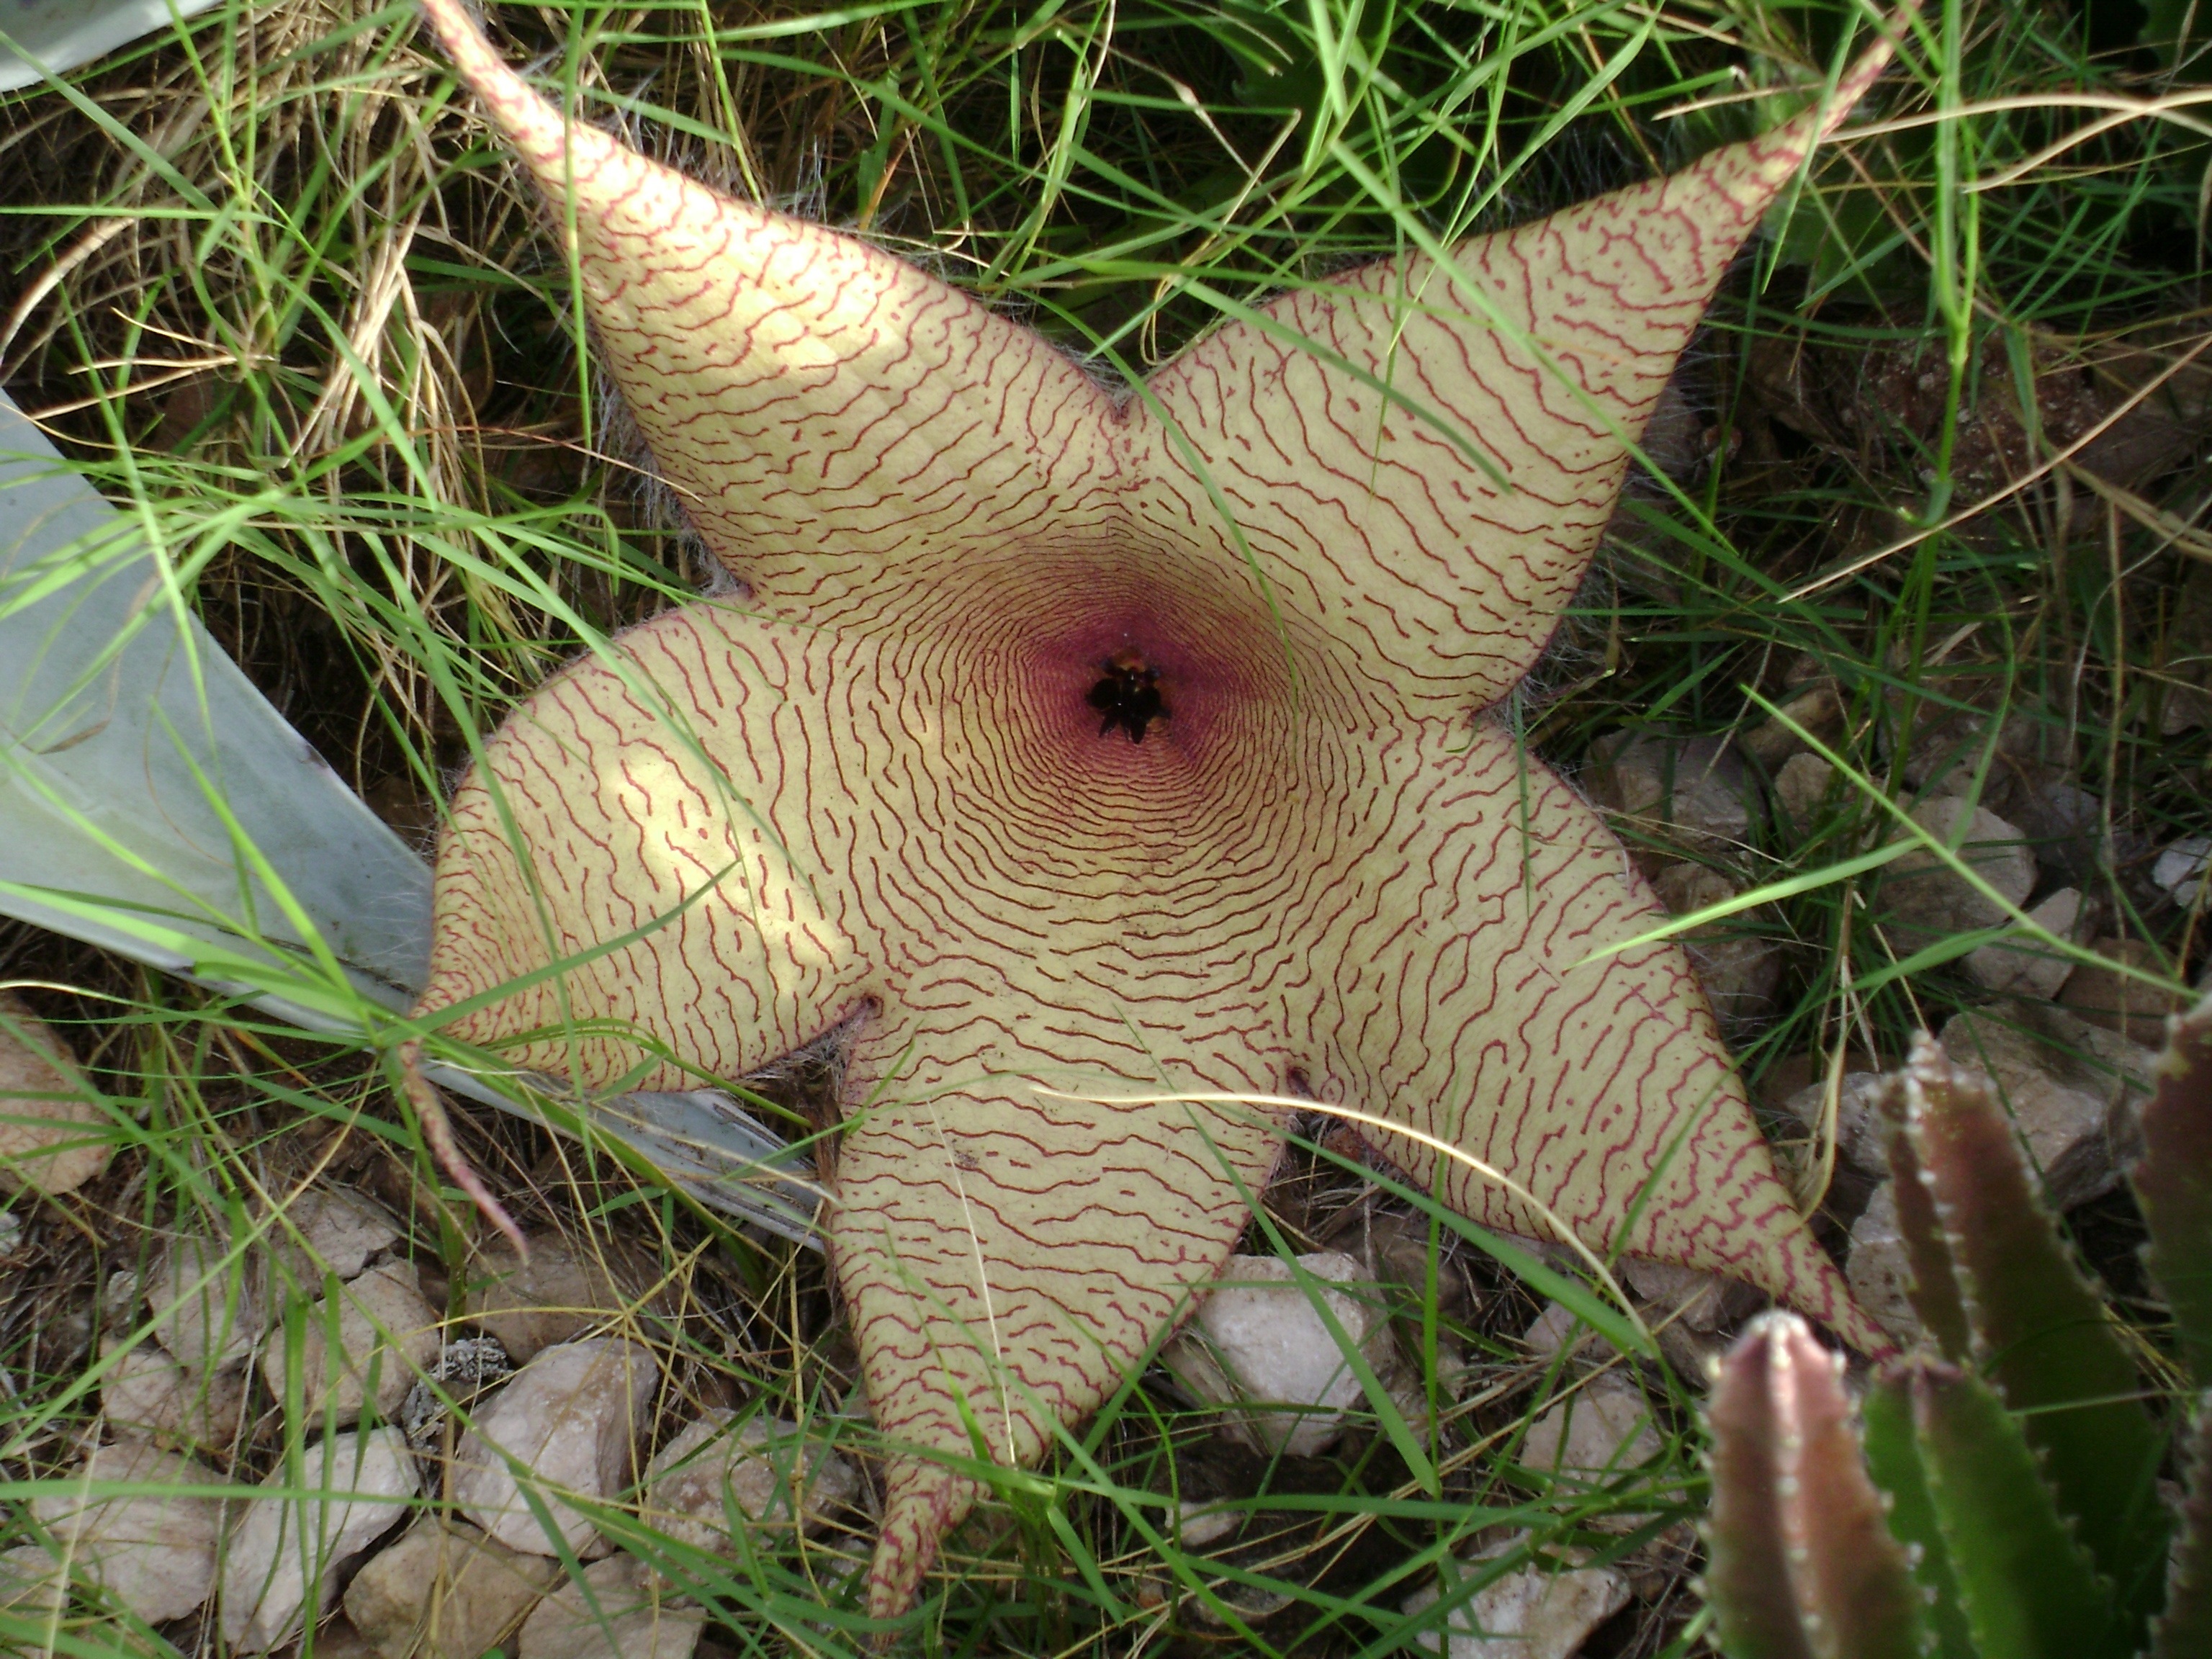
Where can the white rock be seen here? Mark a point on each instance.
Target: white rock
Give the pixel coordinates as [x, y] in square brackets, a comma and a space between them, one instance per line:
[386, 1334]
[146, 1393]
[571, 1418]
[1592, 1438]
[1257, 1338]
[1879, 1271]
[156, 1554]
[2062, 1079]
[445, 1591]
[209, 1302]
[32, 1581]
[1800, 787]
[2180, 868]
[336, 1231]
[2029, 968]
[1927, 900]
[1527, 1614]
[1862, 1138]
[53, 1135]
[616, 1613]
[349, 1490]
[1739, 966]
[709, 1467]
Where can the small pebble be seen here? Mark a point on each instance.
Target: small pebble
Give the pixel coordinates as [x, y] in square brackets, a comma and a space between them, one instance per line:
[1739, 966]
[1527, 1615]
[2120, 1001]
[563, 1290]
[443, 1591]
[53, 1135]
[349, 1491]
[2062, 1081]
[1592, 1438]
[1861, 1137]
[2180, 869]
[32, 1581]
[209, 1302]
[154, 1553]
[1801, 787]
[1879, 1270]
[1257, 1338]
[710, 1468]
[1690, 791]
[337, 1231]
[2028, 967]
[571, 1418]
[618, 1612]
[386, 1334]
[147, 1394]
[1926, 899]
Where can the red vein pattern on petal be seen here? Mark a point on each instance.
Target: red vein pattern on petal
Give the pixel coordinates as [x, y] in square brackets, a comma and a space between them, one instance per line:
[894, 786]
[1458, 995]
[703, 836]
[839, 425]
[1018, 1254]
[1542, 351]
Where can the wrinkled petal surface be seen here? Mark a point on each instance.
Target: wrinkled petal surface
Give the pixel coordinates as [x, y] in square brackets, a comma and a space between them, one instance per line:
[884, 787]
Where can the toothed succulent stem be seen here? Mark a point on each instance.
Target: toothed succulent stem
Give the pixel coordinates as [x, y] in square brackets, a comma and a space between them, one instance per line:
[2174, 1183]
[2005, 1503]
[2037, 1331]
[1801, 1561]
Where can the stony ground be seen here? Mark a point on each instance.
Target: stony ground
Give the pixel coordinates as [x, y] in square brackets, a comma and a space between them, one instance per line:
[228, 1290]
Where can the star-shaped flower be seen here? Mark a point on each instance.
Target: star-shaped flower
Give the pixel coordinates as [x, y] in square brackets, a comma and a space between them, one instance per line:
[1116, 741]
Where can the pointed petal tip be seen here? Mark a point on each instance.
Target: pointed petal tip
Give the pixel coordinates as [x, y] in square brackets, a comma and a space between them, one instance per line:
[1731, 188]
[458, 31]
[922, 1502]
[1821, 122]
[1800, 1276]
[546, 140]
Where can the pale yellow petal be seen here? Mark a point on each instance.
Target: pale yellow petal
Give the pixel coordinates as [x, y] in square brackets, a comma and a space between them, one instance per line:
[1464, 987]
[710, 847]
[1438, 532]
[837, 424]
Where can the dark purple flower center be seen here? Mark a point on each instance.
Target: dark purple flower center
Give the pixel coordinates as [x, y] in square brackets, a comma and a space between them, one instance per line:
[1127, 695]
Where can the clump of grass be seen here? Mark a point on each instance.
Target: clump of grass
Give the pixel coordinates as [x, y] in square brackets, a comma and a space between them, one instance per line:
[272, 286]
